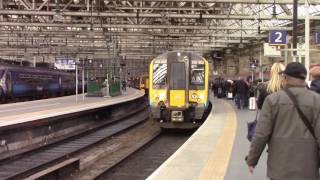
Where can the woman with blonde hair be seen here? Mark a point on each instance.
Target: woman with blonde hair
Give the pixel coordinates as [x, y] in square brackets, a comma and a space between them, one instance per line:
[273, 85]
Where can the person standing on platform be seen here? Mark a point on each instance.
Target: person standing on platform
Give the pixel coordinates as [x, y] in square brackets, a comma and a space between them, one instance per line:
[293, 152]
[242, 90]
[271, 86]
[315, 79]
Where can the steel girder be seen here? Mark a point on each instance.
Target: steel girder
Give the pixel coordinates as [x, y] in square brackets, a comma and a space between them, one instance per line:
[152, 15]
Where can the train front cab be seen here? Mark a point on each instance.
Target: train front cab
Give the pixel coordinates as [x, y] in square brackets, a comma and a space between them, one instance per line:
[179, 90]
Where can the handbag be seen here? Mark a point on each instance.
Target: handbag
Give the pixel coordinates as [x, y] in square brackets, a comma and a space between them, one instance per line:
[252, 127]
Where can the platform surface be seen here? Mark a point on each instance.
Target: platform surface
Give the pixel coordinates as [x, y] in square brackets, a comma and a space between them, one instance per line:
[16, 113]
[216, 150]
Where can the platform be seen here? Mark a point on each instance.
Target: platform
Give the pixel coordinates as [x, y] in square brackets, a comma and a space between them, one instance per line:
[16, 113]
[216, 150]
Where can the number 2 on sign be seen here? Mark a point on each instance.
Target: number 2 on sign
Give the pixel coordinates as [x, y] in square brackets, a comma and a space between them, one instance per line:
[279, 36]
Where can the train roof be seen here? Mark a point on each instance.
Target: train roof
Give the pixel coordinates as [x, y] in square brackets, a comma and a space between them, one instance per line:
[163, 56]
[33, 69]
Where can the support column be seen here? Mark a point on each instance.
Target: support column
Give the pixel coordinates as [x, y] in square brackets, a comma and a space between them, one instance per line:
[295, 26]
[1, 7]
[34, 61]
[307, 38]
[286, 55]
[260, 64]
[77, 82]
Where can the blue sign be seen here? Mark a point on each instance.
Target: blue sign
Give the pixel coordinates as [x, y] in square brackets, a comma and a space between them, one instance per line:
[317, 37]
[278, 37]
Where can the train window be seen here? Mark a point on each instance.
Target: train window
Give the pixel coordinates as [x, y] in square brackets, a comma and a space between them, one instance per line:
[159, 78]
[197, 74]
[178, 76]
[1, 73]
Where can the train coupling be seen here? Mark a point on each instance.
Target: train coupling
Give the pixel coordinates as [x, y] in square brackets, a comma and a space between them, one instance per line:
[177, 116]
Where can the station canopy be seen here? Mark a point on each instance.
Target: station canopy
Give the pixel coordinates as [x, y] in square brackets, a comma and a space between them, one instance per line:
[141, 29]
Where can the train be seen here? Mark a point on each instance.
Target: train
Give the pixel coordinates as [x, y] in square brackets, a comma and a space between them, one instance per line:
[144, 83]
[27, 82]
[140, 82]
[178, 89]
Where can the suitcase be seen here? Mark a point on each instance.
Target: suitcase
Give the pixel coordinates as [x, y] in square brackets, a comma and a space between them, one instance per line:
[252, 103]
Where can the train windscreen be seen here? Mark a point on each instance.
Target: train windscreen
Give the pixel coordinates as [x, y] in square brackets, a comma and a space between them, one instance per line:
[159, 77]
[178, 76]
[197, 74]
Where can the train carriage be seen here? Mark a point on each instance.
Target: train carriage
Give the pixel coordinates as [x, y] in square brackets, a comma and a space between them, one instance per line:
[178, 89]
[23, 82]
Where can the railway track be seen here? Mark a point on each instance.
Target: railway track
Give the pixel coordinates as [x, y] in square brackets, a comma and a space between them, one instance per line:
[146, 160]
[43, 158]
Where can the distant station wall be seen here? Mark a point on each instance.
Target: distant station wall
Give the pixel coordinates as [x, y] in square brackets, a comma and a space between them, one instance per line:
[237, 63]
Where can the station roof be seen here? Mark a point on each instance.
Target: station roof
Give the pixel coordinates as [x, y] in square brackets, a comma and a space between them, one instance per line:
[140, 29]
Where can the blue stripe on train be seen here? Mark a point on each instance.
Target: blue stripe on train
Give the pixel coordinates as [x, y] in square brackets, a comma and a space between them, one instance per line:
[53, 87]
[20, 88]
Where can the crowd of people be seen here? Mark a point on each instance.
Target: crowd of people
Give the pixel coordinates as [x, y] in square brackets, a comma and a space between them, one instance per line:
[243, 88]
[288, 123]
[239, 90]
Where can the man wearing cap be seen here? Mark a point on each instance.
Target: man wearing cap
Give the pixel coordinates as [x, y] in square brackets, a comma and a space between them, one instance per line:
[293, 152]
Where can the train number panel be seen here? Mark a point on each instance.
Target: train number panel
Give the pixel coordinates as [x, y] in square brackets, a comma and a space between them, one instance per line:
[178, 89]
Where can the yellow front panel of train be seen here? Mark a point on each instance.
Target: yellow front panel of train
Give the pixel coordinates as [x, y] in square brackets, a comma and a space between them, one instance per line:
[198, 96]
[177, 98]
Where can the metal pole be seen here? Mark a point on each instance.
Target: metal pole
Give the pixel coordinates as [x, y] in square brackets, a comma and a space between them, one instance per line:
[82, 82]
[286, 55]
[307, 38]
[295, 26]
[76, 82]
[260, 63]
[252, 75]
[1, 7]
[34, 61]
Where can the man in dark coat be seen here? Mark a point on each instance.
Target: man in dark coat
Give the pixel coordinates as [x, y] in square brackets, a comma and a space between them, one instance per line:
[293, 153]
[315, 79]
[242, 93]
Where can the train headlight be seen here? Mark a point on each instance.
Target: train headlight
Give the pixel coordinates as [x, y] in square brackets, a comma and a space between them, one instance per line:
[162, 96]
[194, 96]
[201, 96]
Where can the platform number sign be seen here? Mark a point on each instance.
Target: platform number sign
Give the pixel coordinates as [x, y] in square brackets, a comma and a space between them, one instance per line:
[317, 37]
[278, 37]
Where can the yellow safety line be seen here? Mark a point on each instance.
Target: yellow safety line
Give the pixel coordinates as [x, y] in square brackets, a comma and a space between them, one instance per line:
[217, 164]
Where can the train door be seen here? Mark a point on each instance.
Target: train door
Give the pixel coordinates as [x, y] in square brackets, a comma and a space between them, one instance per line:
[177, 81]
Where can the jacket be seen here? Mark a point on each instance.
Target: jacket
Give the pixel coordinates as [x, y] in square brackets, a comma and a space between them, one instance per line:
[315, 85]
[293, 153]
[262, 94]
[242, 87]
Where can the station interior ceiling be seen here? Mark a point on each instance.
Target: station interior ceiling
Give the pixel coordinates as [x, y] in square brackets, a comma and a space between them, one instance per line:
[140, 29]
